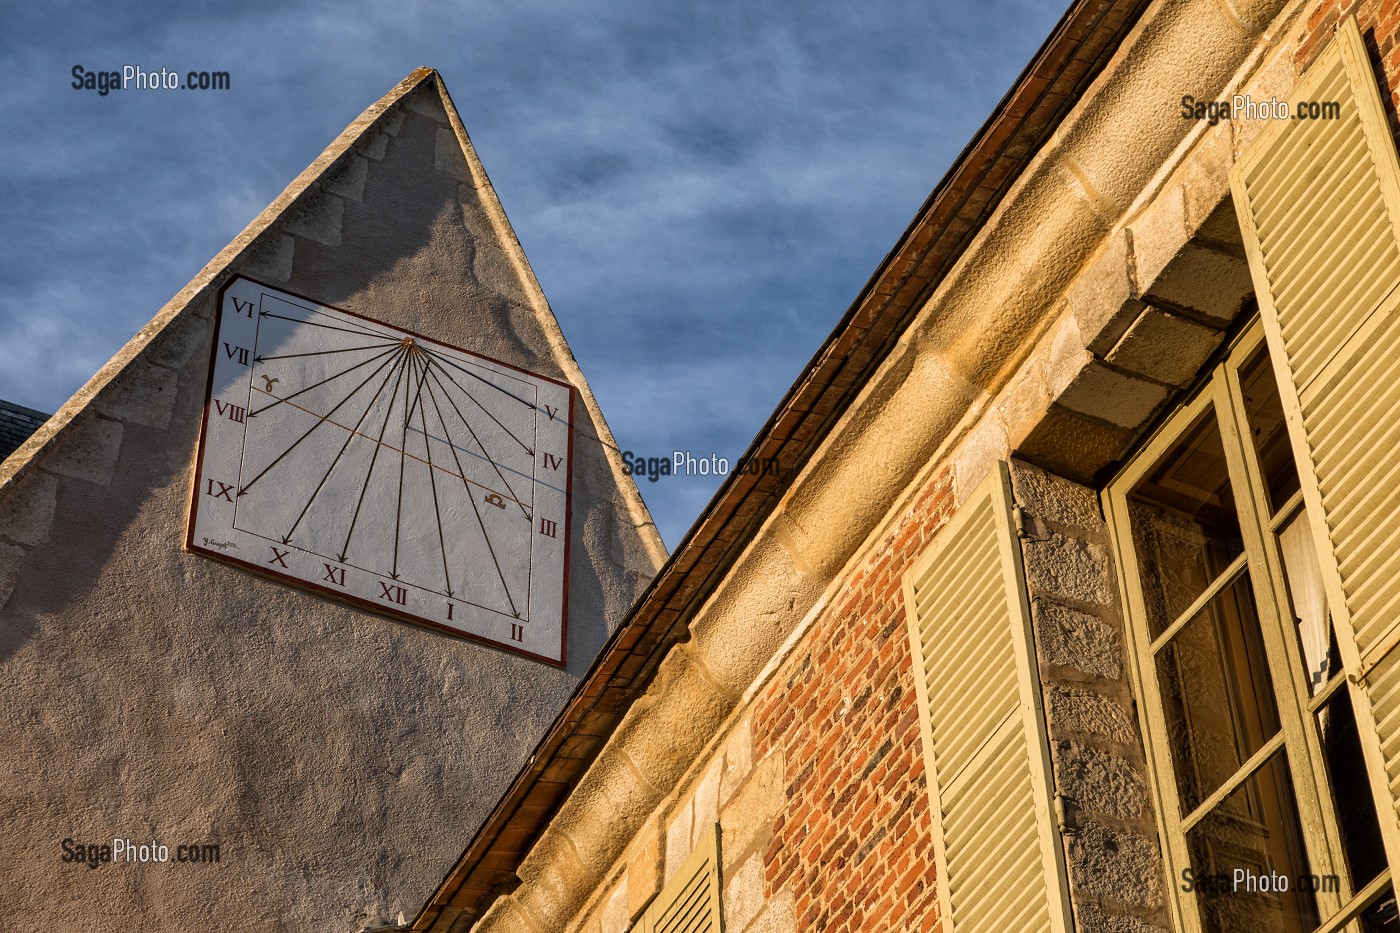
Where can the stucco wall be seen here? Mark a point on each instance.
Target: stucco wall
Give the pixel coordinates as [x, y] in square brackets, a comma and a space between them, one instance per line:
[339, 759]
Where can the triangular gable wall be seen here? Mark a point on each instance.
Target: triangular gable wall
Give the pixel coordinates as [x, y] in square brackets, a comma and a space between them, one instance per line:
[338, 758]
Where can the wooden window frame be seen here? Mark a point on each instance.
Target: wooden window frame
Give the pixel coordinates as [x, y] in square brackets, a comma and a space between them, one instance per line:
[1296, 737]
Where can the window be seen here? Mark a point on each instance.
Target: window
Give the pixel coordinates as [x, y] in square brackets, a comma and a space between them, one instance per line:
[1268, 818]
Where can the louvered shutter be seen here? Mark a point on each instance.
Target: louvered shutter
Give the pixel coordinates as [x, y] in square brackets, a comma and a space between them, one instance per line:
[999, 861]
[690, 902]
[1319, 203]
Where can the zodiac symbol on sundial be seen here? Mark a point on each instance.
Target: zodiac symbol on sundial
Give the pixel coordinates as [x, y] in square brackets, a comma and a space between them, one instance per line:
[398, 471]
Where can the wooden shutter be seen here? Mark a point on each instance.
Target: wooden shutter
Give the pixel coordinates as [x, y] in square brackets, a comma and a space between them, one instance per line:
[999, 860]
[1319, 202]
[690, 902]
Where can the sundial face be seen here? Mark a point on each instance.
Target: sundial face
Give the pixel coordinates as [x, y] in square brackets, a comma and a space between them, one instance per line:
[385, 469]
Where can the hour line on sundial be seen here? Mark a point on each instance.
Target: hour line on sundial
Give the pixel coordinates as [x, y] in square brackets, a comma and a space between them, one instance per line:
[439, 365]
[314, 385]
[485, 382]
[472, 499]
[378, 446]
[307, 408]
[319, 421]
[350, 436]
[468, 425]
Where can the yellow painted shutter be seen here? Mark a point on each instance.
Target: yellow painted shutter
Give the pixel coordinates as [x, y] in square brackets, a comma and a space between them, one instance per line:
[999, 861]
[1319, 202]
[690, 902]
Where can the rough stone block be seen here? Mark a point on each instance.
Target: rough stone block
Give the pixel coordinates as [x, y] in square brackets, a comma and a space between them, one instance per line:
[747, 822]
[1159, 235]
[1023, 403]
[1070, 568]
[779, 915]
[1094, 919]
[1165, 347]
[1099, 781]
[743, 893]
[185, 337]
[271, 259]
[1074, 446]
[1070, 638]
[1053, 498]
[1113, 865]
[705, 803]
[26, 512]
[614, 917]
[144, 394]
[89, 452]
[644, 867]
[1275, 77]
[978, 455]
[374, 146]
[678, 835]
[1082, 712]
[317, 216]
[448, 157]
[1102, 299]
[1221, 231]
[738, 760]
[1207, 175]
[348, 178]
[392, 121]
[1112, 396]
[424, 101]
[1210, 283]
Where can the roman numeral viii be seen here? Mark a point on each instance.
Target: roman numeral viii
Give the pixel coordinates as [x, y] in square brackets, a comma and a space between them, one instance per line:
[231, 411]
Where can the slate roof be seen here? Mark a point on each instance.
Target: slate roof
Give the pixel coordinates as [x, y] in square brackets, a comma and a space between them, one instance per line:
[16, 424]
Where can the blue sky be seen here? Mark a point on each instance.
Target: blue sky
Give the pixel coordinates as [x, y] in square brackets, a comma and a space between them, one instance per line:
[702, 188]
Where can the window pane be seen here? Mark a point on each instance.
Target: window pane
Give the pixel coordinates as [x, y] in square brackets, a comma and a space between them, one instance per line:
[1382, 916]
[1217, 693]
[1351, 793]
[1184, 524]
[1247, 861]
[1312, 620]
[1266, 427]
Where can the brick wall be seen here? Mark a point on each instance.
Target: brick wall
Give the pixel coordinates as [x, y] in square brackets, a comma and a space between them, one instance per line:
[853, 845]
[1380, 27]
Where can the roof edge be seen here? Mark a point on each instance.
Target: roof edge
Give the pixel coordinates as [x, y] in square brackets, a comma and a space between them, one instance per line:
[25, 458]
[1083, 41]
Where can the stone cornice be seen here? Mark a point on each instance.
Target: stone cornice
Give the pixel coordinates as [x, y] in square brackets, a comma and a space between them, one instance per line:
[977, 281]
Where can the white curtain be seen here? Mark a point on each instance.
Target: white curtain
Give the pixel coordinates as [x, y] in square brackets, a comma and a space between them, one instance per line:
[1304, 575]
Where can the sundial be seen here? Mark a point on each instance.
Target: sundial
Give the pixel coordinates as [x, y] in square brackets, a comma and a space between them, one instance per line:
[382, 468]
